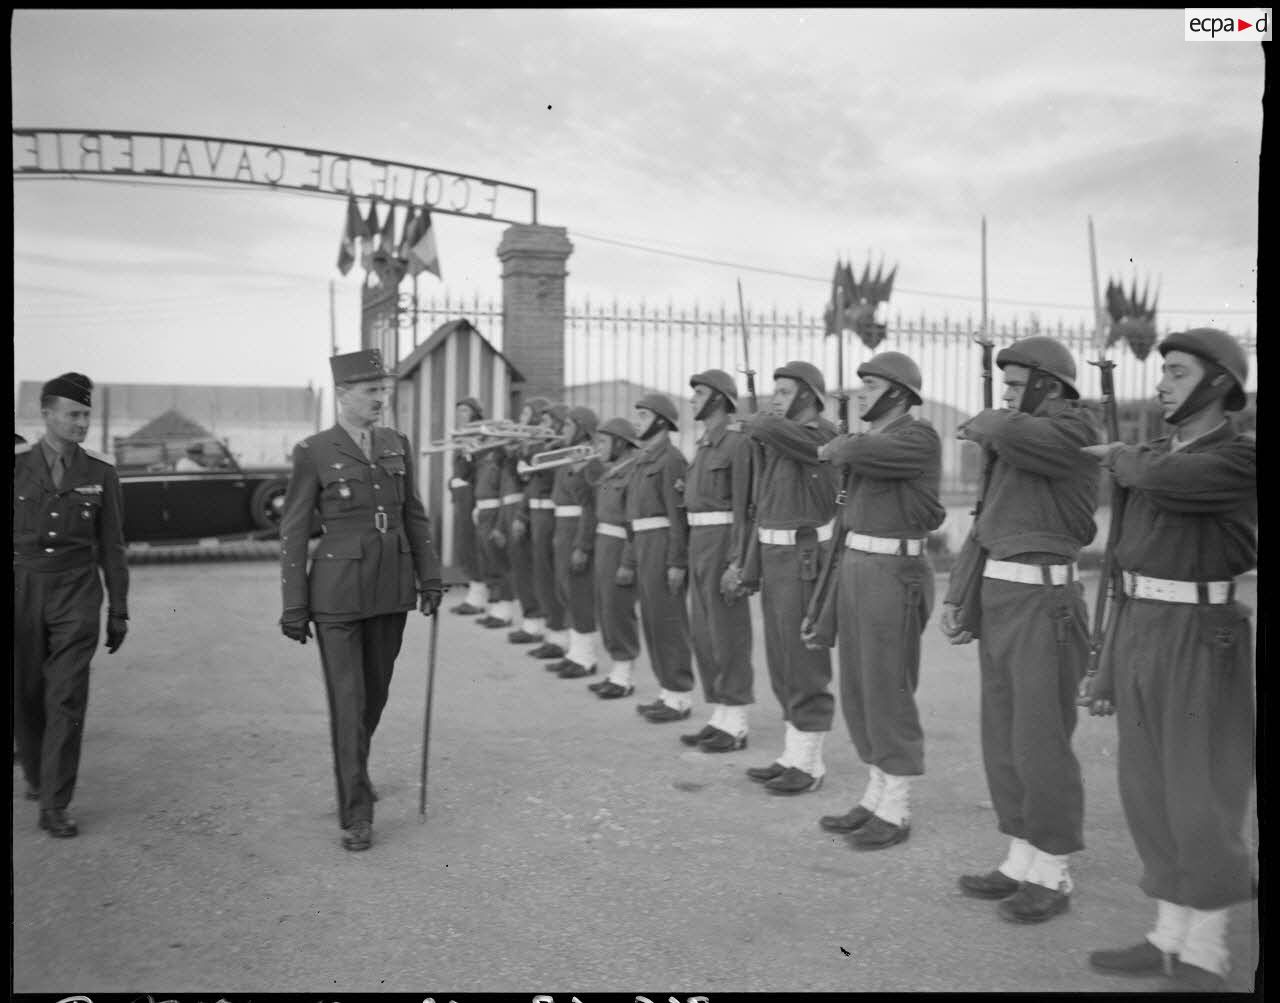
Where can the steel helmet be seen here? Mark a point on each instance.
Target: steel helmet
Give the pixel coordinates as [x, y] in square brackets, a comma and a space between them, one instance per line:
[537, 407]
[558, 412]
[474, 404]
[717, 379]
[808, 374]
[662, 405]
[584, 418]
[897, 368]
[1045, 354]
[622, 429]
[1212, 345]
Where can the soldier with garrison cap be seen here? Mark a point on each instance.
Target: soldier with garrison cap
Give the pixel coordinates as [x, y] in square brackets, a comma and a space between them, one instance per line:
[1036, 516]
[67, 524]
[794, 507]
[1180, 662]
[542, 529]
[656, 558]
[884, 592]
[716, 495]
[374, 562]
[462, 488]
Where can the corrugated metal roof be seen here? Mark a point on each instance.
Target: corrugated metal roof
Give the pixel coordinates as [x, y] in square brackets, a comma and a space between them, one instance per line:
[414, 359]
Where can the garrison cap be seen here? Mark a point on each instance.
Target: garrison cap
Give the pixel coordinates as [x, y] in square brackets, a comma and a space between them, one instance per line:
[354, 367]
[717, 379]
[73, 386]
[806, 373]
[1218, 347]
[622, 429]
[661, 404]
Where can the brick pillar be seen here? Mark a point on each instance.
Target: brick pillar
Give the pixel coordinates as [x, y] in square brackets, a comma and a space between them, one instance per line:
[533, 272]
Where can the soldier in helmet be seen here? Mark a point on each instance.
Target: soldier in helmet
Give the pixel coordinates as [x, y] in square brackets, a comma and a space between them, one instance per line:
[574, 542]
[542, 528]
[68, 539]
[884, 593]
[1181, 662]
[491, 540]
[656, 557]
[615, 605]
[793, 518]
[1035, 518]
[516, 528]
[462, 489]
[716, 494]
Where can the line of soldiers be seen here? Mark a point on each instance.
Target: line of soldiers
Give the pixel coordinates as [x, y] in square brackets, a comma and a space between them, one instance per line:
[831, 531]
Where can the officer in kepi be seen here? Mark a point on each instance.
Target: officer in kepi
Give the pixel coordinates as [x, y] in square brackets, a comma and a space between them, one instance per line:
[374, 562]
[67, 524]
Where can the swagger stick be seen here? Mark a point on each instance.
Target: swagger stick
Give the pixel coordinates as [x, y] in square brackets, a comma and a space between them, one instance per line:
[426, 716]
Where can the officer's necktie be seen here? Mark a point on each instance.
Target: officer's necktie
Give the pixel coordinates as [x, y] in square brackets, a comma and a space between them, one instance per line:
[364, 445]
[59, 466]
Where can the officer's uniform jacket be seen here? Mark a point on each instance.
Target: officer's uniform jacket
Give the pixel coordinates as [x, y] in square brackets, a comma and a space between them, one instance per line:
[376, 551]
[78, 524]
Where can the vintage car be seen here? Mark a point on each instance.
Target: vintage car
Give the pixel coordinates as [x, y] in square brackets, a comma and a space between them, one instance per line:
[169, 501]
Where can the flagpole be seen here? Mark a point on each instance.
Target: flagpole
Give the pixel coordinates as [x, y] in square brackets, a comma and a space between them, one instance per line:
[333, 337]
[415, 309]
[984, 276]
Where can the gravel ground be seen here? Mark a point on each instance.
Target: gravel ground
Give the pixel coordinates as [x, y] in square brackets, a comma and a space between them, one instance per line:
[569, 846]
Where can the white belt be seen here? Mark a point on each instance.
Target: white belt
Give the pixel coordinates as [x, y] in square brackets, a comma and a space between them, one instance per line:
[1030, 574]
[568, 511]
[540, 503]
[1171, 590]
[487, 503]
[721, 518]
[609, 529]
[884, 545]
[459, 482]
[650, 522]
[787, 537]
[512, 499]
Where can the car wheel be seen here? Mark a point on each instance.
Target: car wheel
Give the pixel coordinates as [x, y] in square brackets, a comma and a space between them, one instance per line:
[267, 504]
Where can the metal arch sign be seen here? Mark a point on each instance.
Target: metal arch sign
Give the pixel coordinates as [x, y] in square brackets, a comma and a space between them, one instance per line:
[173, 156]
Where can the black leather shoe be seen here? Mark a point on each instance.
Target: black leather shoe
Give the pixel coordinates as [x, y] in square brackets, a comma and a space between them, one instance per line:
[1194, 979]
[609, 690]
[992, 885]
[597, 686]
[793, 780]
[466, 609]
[878, 834]
[1033, 903]
[706, 732]
[575, 671]
[31, 794]
[522, 636]
[493, 622]
[761, 774]
[358, 837]
[546, 650]
[1140, 959]
[722, 741]
[559, 665]
[851, 821]
[56, 822]
[664, 713]
[644, 708]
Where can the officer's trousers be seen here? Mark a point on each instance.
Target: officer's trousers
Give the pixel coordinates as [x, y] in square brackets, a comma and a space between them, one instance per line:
[884, 603]
[358, 657]
[615, 606]
[577, 592]
[495, 568]
[800, 678]
[542, 528]
[1184, 701]
[664, 618]
[56, 617]
[721, 633]
[1033, 652]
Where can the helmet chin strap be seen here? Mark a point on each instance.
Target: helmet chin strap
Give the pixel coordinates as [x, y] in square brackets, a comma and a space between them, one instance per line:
[1037, 389]
[659, 424]
[615, 451]
[709, 406]
[804, 399]
[887, 399]
[1214, 385]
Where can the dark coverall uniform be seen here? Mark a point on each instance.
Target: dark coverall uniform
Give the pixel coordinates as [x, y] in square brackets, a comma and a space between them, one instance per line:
[495, 567]
[716, 494]
[575, 501]
[1184, 688]
[463, 491]
[1034, 647]
[519, 551]
[375, 553]
[883, 600]
[542, 528]
[61, 537]
[797, 495]
[615, 606]
[659, 539]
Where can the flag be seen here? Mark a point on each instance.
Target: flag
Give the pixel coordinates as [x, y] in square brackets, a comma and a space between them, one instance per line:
[423, 256]
[385, 251]
[353, 231]
[407, 235]
[369, 235]
[832, 322]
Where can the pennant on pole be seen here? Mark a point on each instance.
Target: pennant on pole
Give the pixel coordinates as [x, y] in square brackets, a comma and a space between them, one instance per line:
[352, 232]
[423, 255]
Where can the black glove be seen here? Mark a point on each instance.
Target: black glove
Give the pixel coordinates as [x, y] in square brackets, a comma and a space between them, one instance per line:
[296, 625]
[117, 628]
[431, 597]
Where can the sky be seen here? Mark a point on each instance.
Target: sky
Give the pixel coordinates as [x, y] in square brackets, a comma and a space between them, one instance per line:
[765, 143]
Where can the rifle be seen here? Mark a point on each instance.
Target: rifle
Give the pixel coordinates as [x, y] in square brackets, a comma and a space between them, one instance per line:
[750, 541]
[1096, 689]
[746, 353]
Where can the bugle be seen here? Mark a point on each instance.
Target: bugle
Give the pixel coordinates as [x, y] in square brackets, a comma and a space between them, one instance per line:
[553, 458]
